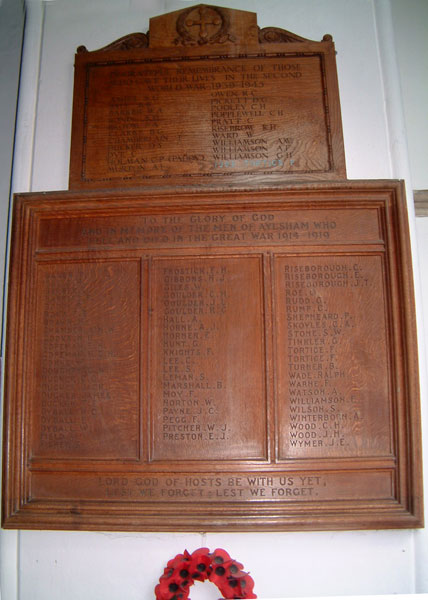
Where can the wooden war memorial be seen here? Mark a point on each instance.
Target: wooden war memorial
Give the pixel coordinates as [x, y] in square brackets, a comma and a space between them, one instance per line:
[201, 104]
[206, 348]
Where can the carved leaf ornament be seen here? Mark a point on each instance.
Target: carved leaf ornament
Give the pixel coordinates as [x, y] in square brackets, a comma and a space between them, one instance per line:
[182, 571]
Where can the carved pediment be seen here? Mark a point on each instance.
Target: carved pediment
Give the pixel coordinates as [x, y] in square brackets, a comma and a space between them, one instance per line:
[204, 25]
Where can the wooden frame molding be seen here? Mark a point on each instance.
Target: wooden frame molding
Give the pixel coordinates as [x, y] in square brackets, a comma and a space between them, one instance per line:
[202, 361]
[421, 202]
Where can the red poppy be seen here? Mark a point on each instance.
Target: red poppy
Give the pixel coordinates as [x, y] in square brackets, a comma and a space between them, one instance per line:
[200, 564]
[242, 586]
[162, 594]
[233, 568]
[177, 560]
[220, 556]
[170, 588]
[218, 574]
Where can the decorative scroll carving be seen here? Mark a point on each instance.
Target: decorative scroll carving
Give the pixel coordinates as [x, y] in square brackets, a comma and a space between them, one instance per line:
[130, 41]
[202, 25]
[186, 37]
[276, 35]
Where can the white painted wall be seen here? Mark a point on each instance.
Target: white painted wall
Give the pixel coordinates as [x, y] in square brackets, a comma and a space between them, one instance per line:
[111, 566]
[411, 34]
[11, 32]
[410, 23]
[421, 537]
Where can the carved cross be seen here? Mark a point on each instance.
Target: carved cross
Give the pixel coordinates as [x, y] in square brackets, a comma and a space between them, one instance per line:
[204, 21]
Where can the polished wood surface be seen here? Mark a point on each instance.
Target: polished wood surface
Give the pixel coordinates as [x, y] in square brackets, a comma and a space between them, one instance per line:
[240, 360]
[207, 99]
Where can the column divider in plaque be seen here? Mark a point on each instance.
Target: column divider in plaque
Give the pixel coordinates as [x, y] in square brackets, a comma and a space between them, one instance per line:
[147, 360]
[274, 360]
[144, 359]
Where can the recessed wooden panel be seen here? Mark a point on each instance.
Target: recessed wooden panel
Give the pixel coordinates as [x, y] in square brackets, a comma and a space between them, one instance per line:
[213, 112]
[86, 357]
[235, 360]
[201, 345]
[331, 316]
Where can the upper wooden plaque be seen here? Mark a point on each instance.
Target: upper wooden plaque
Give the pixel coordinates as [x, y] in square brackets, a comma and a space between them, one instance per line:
[208, 99]
[204, 361]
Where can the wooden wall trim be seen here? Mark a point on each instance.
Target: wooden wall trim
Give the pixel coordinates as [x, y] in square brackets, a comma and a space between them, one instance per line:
[421, 202]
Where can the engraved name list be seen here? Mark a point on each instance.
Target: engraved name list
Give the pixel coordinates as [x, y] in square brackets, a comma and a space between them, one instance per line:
[194, 120]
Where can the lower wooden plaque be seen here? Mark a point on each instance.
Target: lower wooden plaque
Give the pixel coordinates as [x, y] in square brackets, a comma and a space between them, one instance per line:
[204, 361]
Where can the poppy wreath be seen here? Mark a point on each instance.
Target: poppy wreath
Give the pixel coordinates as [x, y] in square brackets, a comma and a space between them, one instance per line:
[182, 571]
